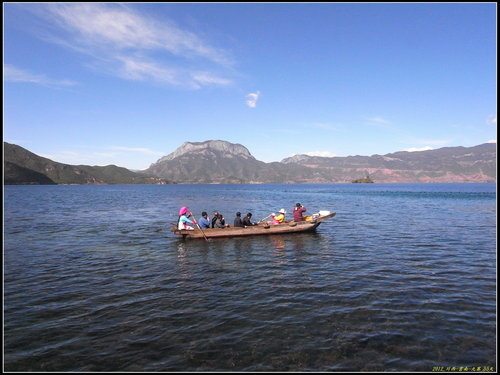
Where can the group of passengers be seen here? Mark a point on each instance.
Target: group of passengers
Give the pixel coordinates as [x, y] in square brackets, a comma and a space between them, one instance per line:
[187, 221]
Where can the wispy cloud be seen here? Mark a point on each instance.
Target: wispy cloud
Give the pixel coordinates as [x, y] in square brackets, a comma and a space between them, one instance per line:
[141, 150]
[435, 142]
[72, 157]
[427, 144]
[377, 120]
[143, 69]
[13, 74]
[289, 131]
[325, 154]
[129, 157]
[323, 126]
[492, 120]
[252, 99]
[416, 149]
[136, 46]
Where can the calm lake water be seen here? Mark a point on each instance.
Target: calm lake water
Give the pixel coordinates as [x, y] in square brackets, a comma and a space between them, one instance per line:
[402, 279]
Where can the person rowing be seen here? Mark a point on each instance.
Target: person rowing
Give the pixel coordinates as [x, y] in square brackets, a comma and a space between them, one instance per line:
[280, 218]
[184, 221]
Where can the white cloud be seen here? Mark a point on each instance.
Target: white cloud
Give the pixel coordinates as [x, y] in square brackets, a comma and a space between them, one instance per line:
[492, 141]
[323, 126]
[142, 69]
[252, 99]
[13, 74]
[119, 27]
[377, 120]
[105, 155]
[137, 149]
[136, 158]
[285, 131]
[69, 157]
[431, 142]
[492, 120]
[325, 154]
[414, 149]
[135, 46]
[207, 78]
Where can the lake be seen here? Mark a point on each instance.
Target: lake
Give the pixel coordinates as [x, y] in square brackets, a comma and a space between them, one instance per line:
[403, 278]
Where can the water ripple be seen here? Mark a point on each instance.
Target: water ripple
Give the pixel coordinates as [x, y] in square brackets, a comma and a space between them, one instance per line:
[398, 281]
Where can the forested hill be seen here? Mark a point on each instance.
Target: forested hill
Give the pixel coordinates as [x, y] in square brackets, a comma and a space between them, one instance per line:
[22, 167]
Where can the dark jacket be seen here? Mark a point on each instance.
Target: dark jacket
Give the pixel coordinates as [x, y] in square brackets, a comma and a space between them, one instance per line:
[247, 222]
[219, 223]
[238, 222]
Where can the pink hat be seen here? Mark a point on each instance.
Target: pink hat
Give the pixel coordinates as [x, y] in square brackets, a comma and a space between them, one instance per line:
[183, 210]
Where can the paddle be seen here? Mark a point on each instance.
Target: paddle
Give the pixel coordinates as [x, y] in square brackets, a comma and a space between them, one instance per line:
[261, 220]
[198, 226]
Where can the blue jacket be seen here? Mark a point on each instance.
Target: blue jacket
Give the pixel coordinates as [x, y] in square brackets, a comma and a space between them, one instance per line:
[204, 223]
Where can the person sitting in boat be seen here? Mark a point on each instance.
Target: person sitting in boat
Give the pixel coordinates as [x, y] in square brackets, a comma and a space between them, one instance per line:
[204, 223]
[247, 220]
[297, 212]
[280, 218]
[237, 220]
[184, 221]
[222, 220]
[219, 221]
[214, 218]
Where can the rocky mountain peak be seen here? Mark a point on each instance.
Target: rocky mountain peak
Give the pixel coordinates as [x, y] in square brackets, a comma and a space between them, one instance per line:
[296, 159]
[225, 148]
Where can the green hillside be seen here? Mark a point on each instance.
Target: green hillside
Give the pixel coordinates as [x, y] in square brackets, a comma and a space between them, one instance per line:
[22, 167]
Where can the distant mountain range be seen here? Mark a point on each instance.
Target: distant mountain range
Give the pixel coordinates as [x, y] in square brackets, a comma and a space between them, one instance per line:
[447, 164]
[224, 162]
[22, 167]
[217, 161]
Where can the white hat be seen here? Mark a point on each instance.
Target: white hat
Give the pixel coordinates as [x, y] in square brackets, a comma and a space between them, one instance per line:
[282, 211]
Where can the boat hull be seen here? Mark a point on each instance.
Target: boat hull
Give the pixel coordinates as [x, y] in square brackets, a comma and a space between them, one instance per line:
[261, 229]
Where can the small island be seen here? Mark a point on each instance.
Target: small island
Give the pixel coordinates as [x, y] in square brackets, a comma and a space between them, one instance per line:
[366, 180]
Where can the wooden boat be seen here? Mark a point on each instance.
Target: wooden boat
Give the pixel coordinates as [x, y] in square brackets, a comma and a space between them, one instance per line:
[259, 229]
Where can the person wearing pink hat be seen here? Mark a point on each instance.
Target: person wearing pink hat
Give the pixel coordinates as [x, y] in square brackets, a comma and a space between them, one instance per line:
[184, 221]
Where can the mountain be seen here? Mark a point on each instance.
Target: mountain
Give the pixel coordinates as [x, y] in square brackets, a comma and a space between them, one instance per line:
[219, 161]
[448, 164]
[22, 167]
[16, 175]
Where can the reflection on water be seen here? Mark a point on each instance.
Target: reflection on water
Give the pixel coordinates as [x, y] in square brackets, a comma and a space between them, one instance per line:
[397, 281]
[278, 242]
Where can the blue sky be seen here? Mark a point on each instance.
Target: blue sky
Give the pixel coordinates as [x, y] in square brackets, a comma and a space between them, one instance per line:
[125, 84]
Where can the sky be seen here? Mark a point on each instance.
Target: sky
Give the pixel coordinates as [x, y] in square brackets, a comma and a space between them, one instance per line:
[128, 83]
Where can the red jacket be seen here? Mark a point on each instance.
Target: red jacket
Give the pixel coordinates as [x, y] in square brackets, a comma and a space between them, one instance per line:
[297, 213]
